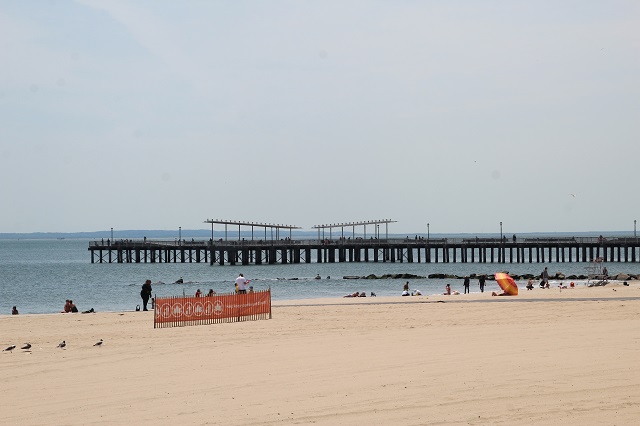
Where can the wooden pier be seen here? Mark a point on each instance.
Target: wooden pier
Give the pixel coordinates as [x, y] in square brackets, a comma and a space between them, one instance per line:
[417, 250]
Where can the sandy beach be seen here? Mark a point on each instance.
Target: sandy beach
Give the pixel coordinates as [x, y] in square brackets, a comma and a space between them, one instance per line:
[544, 357]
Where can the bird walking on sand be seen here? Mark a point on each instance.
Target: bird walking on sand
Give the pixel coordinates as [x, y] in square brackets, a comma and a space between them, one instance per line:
[62, 344]
[10, 348]
[98, 343]
[26, 346]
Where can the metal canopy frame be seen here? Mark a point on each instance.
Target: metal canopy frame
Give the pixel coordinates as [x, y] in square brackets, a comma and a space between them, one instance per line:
[239, 224]
[353, 225]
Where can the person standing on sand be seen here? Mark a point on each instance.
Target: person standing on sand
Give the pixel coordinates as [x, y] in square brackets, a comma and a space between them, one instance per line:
[406, 287]
[241, 282]
[481, 282]
[145, 293]
[466, 285]
[545, 276]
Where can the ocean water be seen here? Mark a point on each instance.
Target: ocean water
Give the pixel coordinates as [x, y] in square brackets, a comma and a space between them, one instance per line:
[39, 275]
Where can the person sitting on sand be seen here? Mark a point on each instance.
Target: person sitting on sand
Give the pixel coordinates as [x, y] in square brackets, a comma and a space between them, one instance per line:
[198, 293]
[362, 294]
[67, 307]
[416, 293]
[493, 293]
[211, 292]
[14, 311]
[447, 290]
[355, 294]
[406, 293]
[74, 309]
[530, 284]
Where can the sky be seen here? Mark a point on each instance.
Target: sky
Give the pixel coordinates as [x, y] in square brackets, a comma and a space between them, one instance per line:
[461, 114]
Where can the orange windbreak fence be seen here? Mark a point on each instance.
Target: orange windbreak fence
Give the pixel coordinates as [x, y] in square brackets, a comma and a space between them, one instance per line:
[189, 310]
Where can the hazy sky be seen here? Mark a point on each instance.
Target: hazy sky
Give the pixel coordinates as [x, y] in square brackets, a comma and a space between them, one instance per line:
[159, 114]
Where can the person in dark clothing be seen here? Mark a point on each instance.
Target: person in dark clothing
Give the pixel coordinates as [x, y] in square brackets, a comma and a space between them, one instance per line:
[145, 293]
[481, 283]
[466, 285]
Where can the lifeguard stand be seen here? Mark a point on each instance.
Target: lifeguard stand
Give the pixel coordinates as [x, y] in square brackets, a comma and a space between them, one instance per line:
[595, 272]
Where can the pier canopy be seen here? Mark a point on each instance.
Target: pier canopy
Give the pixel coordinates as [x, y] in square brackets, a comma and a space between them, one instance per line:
[376, 228]
[272, 227]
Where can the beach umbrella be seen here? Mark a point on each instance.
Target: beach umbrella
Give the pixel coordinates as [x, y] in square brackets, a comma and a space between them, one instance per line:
[506, 283]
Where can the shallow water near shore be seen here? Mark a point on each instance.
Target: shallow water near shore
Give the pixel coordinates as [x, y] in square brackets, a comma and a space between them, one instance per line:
[38, 275]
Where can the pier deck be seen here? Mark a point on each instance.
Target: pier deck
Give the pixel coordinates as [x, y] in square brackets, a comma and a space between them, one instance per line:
[410, 250]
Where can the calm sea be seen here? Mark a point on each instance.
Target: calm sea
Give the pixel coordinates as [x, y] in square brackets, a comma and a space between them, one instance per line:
[39, 275]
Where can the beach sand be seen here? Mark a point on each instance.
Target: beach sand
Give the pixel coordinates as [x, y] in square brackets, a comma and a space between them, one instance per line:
[543, 357]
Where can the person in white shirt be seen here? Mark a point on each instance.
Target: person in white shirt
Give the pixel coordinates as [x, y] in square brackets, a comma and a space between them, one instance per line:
[241, 282]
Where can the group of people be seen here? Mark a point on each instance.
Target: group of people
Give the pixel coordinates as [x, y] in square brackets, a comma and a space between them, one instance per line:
[356, 294]
[69, 306]
[482, 279]
[210, 294]
[406, 292]
[241, 284]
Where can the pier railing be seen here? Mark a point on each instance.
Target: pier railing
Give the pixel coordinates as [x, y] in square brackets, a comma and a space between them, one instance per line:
[148, 243]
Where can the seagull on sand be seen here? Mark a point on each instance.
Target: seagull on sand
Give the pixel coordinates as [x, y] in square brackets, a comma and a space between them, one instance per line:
[62, 344]
[10, 348]
[26, 346]
[98, 343]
